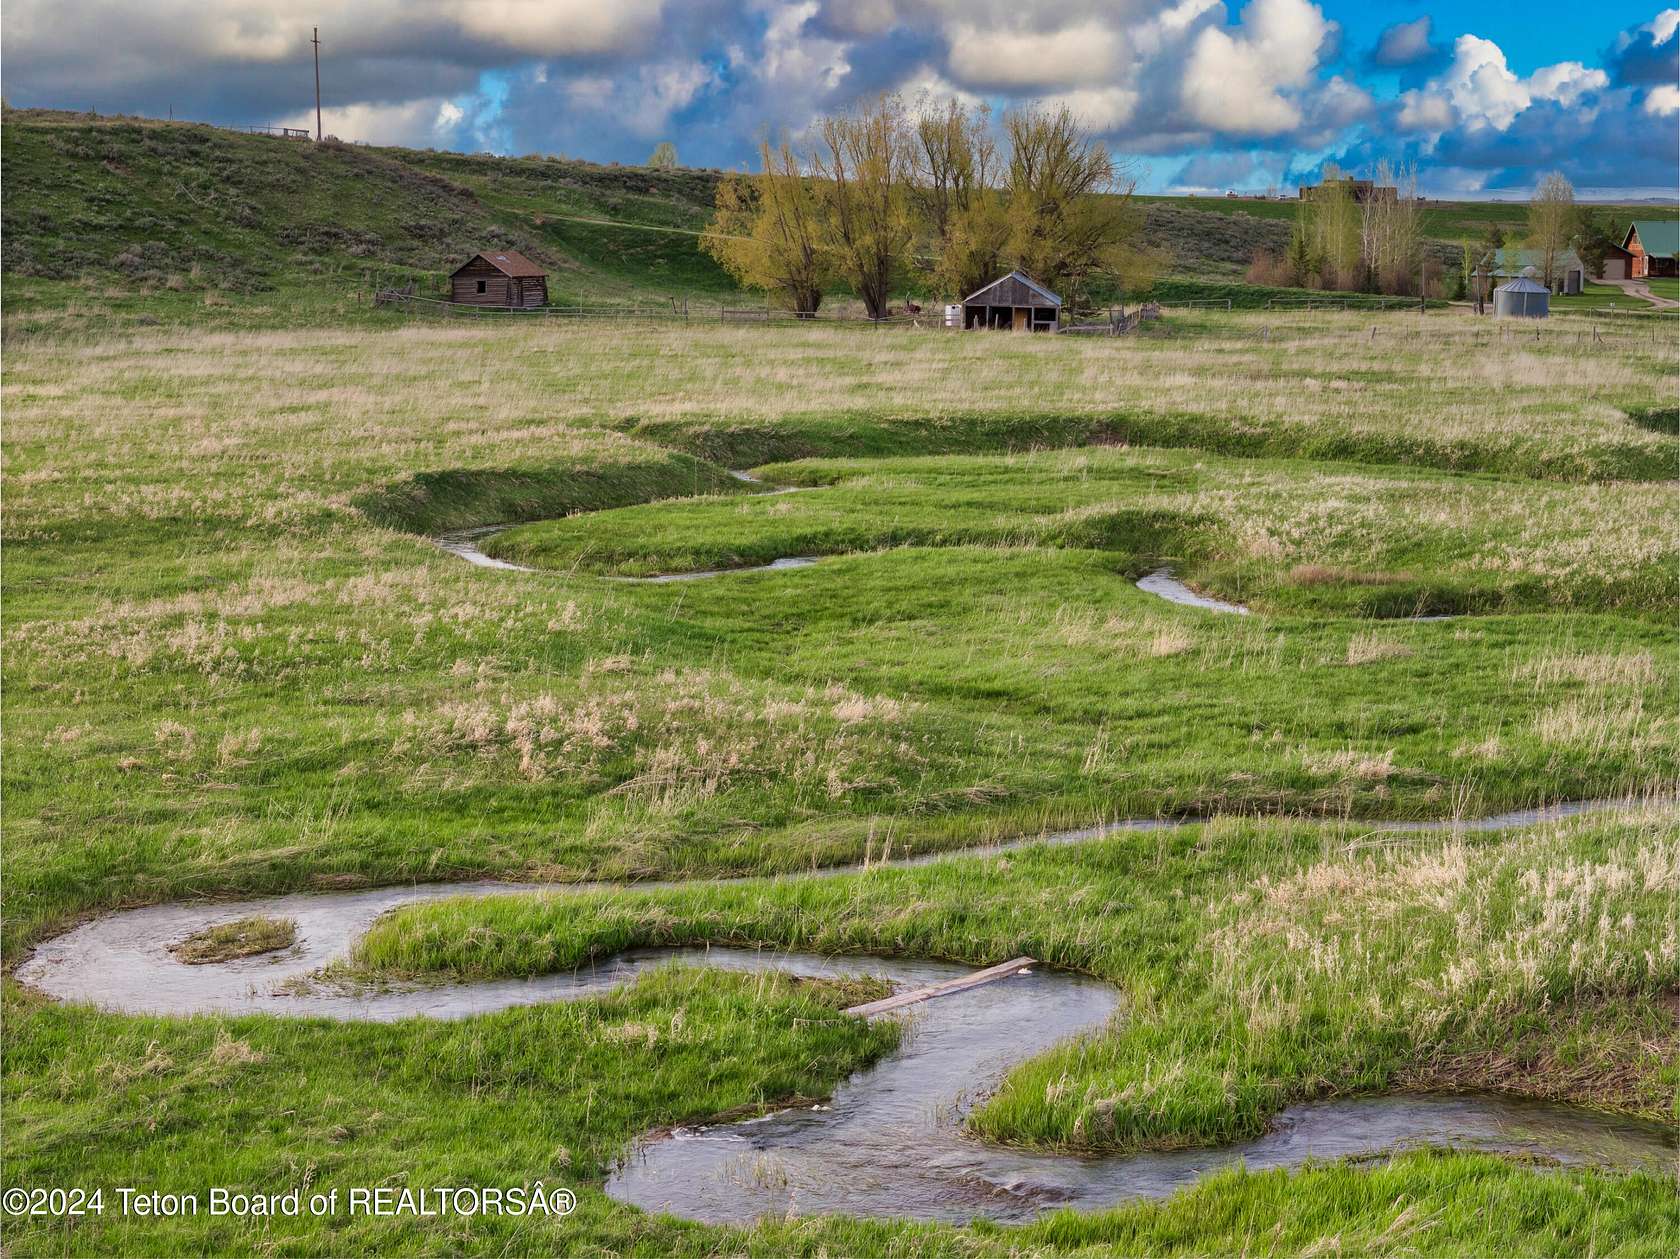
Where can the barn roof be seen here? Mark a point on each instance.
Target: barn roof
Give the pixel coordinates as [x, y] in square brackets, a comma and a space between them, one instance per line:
[1660, 237]
[978, 297]
[1513, 261]
[508, 263]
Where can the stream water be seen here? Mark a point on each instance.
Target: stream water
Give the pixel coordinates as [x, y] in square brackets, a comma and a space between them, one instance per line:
[891, 1142]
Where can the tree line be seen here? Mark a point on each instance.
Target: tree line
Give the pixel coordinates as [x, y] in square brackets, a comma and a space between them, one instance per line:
[1373, 241]
[884, 196]
[1357, 239]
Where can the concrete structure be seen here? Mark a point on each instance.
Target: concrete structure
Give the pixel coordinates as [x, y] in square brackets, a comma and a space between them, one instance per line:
[1015, 301]
[1361, 190]
[499, 278]
[1522, 298]
[1651, 245]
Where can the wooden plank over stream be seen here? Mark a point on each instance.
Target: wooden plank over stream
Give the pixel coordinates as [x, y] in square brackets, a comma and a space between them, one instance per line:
[900, 999]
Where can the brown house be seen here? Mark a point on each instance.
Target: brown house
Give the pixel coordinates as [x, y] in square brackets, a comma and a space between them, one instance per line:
[1652, 245]
[499, 278]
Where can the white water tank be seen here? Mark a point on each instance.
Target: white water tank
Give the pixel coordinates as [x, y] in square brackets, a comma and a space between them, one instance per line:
[953, 315]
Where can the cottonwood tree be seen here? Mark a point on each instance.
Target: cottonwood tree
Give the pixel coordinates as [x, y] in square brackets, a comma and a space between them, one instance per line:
[1391, 230]
[664, 156]
[1329, 218]
[1069, 212]
[768, 234]
[862, 169]
[954, 169]
[1551, 222]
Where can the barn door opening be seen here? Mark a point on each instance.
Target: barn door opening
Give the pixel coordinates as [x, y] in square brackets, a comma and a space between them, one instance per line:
[1022, 316]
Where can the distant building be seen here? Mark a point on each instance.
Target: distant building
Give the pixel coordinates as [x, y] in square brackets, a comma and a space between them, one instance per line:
[499, 278]
[1015, 301]
[1568, 273]
[1651, 245]
[1362, 190]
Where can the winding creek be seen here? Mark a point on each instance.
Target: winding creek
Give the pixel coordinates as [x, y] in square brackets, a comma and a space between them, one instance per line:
[891, 1142]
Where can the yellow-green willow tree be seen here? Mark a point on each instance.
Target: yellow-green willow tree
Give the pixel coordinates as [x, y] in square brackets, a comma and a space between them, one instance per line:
[768, 234]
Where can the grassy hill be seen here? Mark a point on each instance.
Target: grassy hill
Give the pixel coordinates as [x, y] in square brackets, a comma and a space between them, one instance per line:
[141, 218]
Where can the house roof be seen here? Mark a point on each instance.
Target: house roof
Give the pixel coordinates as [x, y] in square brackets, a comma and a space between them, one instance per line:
[1021, 277]
[1513, 261]
[1660, 237]
[509, 263]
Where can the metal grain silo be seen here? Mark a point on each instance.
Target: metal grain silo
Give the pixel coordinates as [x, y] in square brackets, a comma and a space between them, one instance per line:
[1522, 298]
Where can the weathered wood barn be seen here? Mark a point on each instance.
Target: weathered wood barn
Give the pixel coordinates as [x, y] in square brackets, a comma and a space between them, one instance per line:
[1015, 301]
[499, 278]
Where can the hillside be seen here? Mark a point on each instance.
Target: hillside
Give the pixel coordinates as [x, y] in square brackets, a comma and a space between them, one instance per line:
[145, 218]
[179, 207]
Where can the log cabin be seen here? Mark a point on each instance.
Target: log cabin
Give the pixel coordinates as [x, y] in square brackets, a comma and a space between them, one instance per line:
[499, 277]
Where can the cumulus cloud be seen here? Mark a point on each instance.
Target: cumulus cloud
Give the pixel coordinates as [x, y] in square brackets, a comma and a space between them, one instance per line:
[1404, 44]
[1424, 111]
[1087, 52]
[1238, 80]
[1648, 54]
[1485, 92]
[1662, 101]
[1195, 79]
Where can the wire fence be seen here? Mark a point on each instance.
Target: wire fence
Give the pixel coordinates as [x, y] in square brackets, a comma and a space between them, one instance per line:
[674, 311]
[1343, 303]
[1436, 323]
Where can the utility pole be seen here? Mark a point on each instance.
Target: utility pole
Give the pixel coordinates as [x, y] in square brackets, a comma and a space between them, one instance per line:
[316, 40]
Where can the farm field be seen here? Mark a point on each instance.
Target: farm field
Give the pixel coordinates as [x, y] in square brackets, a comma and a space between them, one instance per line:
[238, 665]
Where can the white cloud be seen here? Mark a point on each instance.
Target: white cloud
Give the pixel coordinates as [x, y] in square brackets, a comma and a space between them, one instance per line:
[1663, 26]
[1485, 91]
[1566, 82]
[414, 123]
[554, 28]
[1662, 100]
[1086, 53]
[1480, 83]
[1425, 111]
[1236, 81]
[1099, 108]
[795, 59]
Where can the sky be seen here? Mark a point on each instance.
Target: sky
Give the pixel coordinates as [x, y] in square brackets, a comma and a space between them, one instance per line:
[1200, 95]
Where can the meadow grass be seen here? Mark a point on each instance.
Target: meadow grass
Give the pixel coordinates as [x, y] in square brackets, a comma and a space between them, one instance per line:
[233, 666]
[1285, 536]
[243, 937]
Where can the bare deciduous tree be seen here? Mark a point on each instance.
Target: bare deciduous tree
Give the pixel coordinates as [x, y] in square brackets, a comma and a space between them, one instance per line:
[664, 156]
[1551, 222]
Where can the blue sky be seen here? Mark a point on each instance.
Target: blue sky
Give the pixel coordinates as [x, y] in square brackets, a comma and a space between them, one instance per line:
[1202, 95]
